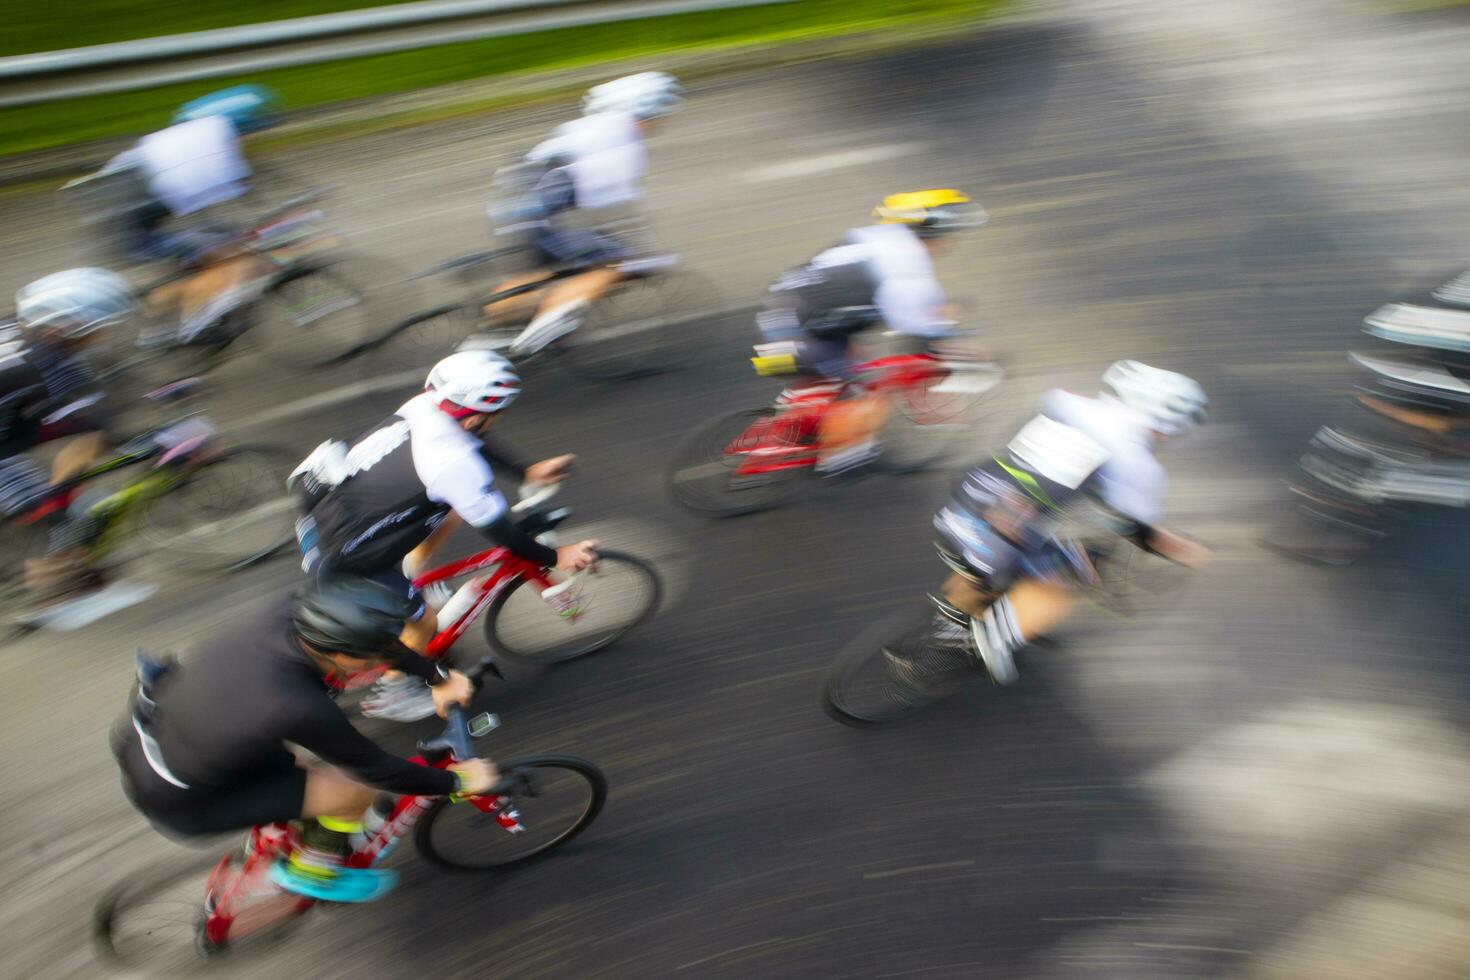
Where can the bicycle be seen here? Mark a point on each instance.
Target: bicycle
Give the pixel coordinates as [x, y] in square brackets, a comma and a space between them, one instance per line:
[210, 506]
[525, 815]
[641, 325]
[920, 655]
[753, 459]
[586, 613]
[281, 277]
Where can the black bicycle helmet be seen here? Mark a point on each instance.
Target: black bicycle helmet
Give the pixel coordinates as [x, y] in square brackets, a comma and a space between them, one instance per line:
[351, 614]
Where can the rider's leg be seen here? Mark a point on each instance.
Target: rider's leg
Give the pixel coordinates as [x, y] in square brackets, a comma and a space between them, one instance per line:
[1029, 609]
[518, 308]
[417, 561]
[333, 794]
[333, 806]
[77, 454]
[586, 287]
[418, 634]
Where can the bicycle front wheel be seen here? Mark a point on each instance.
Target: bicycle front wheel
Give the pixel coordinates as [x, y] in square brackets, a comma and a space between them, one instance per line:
[228, 511]
[314, 315]
[892, 670]
[557, 798]
[929, 419]
[703, 476]
[615, 597]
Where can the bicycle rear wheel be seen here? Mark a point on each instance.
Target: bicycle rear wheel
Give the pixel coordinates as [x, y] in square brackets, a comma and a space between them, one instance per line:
[422, 339]
[929, 419]
[227, 512]
[154, 926]
[641, 326]
[702, 475]
[892, 670]
[559, 796]
[314, 315]
[622, 593]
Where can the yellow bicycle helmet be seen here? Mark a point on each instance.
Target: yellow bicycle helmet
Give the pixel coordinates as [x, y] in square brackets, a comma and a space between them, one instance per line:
[931, 212]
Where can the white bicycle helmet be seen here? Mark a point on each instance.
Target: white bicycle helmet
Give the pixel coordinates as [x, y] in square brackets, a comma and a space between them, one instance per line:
[1174, 403]
[645, 95]
[474, 382]
[75, 302]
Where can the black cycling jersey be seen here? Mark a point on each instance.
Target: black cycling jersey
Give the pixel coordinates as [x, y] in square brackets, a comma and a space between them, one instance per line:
[376, 516]
[223, 718]
[45, 392]
[824, 300]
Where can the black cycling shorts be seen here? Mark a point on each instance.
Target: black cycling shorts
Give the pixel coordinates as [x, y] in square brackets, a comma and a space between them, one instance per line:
[392, 577]
[265, 796]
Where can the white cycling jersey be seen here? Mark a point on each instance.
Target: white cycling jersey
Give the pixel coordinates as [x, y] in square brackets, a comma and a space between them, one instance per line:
[192, 165]
[1129, 480]
[447, 460]
[604, 155]
[906, 292]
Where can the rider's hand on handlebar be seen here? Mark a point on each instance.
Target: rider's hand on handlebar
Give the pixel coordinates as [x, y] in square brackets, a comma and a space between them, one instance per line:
[552, 470]
[475, 775]
[575, 557]
[457, 690]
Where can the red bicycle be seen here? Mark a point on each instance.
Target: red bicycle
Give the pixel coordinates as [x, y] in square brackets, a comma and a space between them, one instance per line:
[541, 803]
[754, 459]
[585, 613]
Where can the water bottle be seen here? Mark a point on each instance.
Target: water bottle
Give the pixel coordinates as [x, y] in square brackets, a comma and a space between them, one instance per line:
[460, 603]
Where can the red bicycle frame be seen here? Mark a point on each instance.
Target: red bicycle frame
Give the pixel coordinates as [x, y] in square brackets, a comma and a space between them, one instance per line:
[511, 567]
[274, 842]
[787, 441]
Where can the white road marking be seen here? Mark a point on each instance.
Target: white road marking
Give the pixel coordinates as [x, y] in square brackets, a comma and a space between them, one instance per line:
[841, 160]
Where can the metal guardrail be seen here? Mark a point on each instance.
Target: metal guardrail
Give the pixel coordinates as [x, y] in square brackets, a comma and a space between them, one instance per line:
[127, 65]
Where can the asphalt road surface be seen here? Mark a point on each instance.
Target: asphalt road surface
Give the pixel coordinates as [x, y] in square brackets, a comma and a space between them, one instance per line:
[1164, 796]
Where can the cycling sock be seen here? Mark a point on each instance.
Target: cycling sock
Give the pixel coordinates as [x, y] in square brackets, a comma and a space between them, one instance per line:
[1002, 628]
[325, 844]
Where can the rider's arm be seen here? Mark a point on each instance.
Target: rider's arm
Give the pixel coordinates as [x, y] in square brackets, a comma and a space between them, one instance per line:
[498, 454]
[914, 305]
[469, 489]
[321, 728]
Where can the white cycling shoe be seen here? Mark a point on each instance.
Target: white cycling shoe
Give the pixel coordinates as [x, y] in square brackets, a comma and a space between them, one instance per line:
[994, 653]
[405, 698]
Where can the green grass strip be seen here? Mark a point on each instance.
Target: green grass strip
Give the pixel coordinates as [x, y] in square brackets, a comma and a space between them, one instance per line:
[75, 120]
[79, 23]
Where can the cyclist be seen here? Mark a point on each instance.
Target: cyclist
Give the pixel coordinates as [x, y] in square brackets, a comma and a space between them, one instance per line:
[48, 391]
[383, 506]
[205, 749]
[586, 171]
[883, 273]
[1010, 581]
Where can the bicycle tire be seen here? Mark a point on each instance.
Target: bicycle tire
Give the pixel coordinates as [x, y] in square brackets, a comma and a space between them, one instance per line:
[891, 700]
[169, 526]
[925, 425]
[166, 914]
[18, 542]
[434, 852]
[546, 620]
[641, 326]
[329, 343]
[698, 478]
[420, 340]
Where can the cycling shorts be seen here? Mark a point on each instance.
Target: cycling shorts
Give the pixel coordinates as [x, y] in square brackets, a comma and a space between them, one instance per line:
[578, 247]
[392, 577]
[265, 796]
[992, 561]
